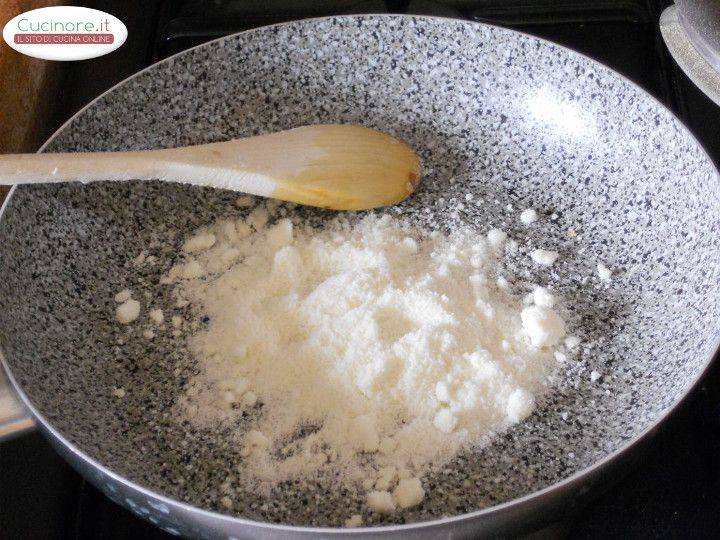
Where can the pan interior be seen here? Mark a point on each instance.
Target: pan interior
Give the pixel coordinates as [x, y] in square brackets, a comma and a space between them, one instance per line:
[514, 121]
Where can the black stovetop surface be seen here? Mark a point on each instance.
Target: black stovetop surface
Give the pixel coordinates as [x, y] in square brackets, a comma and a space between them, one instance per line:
[672, 490]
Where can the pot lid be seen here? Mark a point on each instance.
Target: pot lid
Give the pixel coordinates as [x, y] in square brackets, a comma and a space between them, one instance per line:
[691, 31]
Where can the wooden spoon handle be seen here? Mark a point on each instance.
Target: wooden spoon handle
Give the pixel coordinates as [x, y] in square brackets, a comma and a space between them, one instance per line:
[191, 165]
[81, 167]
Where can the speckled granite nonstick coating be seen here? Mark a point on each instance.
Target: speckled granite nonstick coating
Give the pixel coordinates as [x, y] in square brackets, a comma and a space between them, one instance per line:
[620, 171]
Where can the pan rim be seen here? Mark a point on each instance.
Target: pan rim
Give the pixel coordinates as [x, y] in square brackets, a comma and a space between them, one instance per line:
[535, 496]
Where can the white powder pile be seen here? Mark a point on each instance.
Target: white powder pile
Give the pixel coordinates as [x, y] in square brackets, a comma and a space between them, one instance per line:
[604, 272]
[544, 257]
[368, 353]
[528, 216]
[128, 309]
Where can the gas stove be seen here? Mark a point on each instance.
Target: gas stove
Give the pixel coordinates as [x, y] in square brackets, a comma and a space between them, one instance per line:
[672, 490]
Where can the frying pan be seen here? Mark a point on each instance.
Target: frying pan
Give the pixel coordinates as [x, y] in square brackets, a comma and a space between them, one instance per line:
[512, 120]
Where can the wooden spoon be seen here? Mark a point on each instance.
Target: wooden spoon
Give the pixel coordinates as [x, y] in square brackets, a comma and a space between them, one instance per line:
[342, 167]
